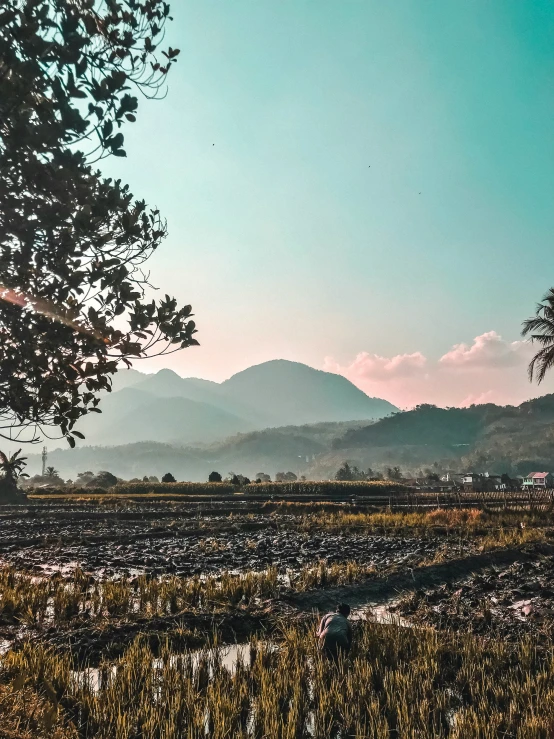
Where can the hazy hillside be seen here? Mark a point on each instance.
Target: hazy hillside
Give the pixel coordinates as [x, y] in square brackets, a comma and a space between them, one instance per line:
[483, 438]
[293, 393]
[168, 408]
[271, 450]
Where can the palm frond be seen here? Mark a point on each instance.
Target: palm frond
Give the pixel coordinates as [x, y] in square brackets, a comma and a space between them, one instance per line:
[541, 363]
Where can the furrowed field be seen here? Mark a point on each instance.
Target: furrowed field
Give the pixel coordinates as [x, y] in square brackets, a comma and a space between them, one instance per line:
[144, 616]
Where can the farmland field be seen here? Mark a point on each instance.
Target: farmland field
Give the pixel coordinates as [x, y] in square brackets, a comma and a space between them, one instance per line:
[120, 618]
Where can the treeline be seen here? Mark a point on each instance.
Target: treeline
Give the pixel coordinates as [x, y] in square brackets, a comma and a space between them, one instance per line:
[308, 487]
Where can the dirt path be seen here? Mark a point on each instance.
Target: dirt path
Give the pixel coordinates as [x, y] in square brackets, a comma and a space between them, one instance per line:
[382, 589]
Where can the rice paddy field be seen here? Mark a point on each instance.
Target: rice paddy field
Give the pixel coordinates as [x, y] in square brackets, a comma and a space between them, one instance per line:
[161, 619]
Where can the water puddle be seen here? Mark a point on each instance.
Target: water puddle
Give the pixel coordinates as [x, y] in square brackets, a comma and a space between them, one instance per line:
[381, 613]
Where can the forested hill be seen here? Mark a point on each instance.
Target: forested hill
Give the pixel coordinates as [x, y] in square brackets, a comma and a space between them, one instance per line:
[428, 424]
[483, 437]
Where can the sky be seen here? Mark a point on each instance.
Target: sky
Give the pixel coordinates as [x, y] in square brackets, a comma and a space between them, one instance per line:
[362, 186]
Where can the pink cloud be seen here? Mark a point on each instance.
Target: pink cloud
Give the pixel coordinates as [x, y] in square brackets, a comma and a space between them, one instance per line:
[488, 370]
[478, 399]
[374, 367]
[488, 351]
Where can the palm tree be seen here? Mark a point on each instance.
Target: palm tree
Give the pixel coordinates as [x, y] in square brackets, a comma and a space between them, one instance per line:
[12, 467]
[540, 329]
[52, 472]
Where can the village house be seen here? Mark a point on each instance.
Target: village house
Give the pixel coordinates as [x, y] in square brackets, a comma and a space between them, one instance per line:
[537, 481]
[486, 483]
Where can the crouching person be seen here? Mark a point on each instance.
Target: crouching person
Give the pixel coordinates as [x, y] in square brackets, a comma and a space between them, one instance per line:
[335, 633]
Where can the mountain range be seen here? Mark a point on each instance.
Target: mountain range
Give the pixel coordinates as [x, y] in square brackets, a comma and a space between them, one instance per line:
[165, 407]
[482, 438]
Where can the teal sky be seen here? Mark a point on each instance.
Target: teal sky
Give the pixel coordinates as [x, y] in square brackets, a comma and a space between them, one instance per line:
[344, 177]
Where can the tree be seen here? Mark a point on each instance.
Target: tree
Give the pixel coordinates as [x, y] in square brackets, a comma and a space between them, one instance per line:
[103, 479]
[83, 478]
[349, 472]
[168, 477]
[52, 472]
[263, 477]
[344, 473]
[540, 330]
[394, 473]
[12, 469]
[73, 245]
[214, 477]
[285, 477]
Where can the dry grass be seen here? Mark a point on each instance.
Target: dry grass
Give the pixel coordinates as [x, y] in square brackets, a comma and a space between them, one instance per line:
[451, 518]
[35, 601]
[503, 538]
[28, 713]
[398, 682]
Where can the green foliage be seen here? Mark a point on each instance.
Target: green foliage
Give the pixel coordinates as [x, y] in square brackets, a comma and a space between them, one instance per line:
[168, 477]
[214, 477]
[73, 244]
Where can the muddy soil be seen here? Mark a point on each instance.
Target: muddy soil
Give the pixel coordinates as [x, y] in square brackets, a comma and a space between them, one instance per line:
[137, 548]
[505, 600]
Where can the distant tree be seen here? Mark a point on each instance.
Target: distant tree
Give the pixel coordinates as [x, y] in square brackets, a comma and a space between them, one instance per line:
[145, 478]
[540, 330]
[433, 477]
[344, 473]
[168, 477]
[73, 244]
[153, 478]
[214, 477]
[52, 472]
[235, 480]
[263, 477]
[135, 479]
[83, 478]
[394, 473]
[349, 472]
[285, 477]
[103, 479]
